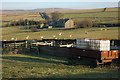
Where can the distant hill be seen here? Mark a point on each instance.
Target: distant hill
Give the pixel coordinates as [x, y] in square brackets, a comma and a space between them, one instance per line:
[64, 10]
[108, 9]
[34, 10]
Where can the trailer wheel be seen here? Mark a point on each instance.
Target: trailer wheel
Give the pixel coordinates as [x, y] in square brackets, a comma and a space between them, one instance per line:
[108, 63]
[114, 63]
[94, 64]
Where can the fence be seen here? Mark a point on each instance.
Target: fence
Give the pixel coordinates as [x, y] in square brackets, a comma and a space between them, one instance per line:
[31, 46]
[12, 47]
[45, 46]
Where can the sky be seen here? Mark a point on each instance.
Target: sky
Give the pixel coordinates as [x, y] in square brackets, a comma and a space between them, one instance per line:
[72, 4]
[59, 0]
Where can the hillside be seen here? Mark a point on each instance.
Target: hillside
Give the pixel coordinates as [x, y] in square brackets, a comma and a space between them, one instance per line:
[113, 9]
[109, 16]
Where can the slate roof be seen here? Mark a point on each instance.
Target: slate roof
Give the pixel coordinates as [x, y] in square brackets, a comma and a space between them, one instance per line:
[58, 23]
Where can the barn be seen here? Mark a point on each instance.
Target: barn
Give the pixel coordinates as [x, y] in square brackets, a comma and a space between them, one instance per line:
[66, 23]
[61, 23]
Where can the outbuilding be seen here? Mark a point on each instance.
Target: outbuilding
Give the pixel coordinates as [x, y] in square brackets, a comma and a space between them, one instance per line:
[66, 23]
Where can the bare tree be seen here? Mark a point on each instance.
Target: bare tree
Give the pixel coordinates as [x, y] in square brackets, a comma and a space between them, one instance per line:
[83, 24]
[56, 15]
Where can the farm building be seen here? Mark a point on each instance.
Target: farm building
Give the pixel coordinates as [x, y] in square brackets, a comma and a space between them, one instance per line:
[66, 23]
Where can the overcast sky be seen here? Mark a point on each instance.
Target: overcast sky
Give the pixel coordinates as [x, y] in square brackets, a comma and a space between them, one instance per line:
[73, 4]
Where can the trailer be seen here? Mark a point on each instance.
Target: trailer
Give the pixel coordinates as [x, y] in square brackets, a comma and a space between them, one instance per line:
[99, 51]
[99, 57]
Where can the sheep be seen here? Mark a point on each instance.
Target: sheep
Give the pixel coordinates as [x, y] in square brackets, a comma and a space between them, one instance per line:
[27, 37]
[12, 38]
[54, 36]
[60, 33]
[42, 37]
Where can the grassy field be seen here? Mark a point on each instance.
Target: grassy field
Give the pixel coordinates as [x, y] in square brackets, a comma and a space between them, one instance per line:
[42, 66]
[91, 10]
[102, 17]
[109, 16]
[95, 33]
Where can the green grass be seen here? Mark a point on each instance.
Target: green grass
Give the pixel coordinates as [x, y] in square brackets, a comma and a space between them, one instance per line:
[42, 66]
[96, 33]
[100, 17]
[101, 14]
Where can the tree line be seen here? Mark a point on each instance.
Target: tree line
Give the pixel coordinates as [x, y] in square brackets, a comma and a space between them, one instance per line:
[22, 22]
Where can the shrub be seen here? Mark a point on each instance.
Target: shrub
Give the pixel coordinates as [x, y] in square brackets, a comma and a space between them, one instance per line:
[56, 15]
[83, 24]
[7, 25]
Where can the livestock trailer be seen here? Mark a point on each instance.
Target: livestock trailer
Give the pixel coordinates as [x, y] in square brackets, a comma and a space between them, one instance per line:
[100, 57]
[98, 50]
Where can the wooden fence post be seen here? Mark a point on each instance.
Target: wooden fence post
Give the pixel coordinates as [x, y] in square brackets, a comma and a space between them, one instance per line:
[26, 44]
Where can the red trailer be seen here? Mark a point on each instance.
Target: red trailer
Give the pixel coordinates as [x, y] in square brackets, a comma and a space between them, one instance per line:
[99, 57]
